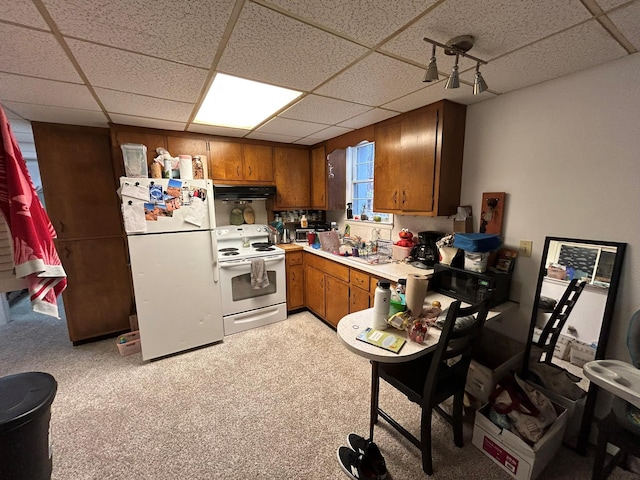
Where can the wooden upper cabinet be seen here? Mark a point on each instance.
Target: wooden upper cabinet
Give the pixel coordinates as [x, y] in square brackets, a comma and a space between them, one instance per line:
[418, 163]
[328, 179]
[318, 178]
[240, 163]
[225, 161]
[258, 163]
[139, 136]
[388, 167]
[187, 145]
[293, 178]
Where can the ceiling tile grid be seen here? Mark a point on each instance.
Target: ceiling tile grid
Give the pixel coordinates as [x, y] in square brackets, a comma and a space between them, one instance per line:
[148, 61]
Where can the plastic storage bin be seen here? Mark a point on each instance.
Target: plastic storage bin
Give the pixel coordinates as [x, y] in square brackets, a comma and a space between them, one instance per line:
[476, 262]
[129, 343]
[25, 413]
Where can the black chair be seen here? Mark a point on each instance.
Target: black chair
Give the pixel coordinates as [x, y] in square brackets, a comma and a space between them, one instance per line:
[546, 344]
[433, 378]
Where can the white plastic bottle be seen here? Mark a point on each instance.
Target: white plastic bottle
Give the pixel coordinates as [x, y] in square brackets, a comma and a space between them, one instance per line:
[381, 300]
[303, 221]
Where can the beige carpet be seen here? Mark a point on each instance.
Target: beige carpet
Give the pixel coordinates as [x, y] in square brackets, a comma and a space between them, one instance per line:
[270, 403]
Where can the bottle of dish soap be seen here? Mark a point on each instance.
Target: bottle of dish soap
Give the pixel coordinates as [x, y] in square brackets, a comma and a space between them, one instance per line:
[303, 221]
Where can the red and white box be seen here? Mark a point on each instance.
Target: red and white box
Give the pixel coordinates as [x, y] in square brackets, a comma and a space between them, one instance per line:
[510, 452]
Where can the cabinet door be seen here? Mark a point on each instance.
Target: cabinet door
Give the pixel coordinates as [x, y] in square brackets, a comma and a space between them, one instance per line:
[389, 170]
[295, 287]
[189, 146]
[336, 300]
[337, 180]
[258, 163]
[419, 130]
[78, 179]
[318, 179]
[225, 161]
[98, 297]
[358, 299]
[314, 290]
[148, 139]
[292, 178]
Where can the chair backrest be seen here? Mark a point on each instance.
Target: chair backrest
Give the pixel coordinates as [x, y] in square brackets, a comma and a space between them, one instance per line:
[450, 364]
[555, 324]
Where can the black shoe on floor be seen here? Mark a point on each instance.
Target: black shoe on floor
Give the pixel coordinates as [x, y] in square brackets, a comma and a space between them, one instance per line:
[356, 466]
[369, 449]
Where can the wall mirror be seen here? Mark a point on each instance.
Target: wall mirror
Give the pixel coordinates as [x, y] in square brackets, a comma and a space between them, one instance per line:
[598, 264]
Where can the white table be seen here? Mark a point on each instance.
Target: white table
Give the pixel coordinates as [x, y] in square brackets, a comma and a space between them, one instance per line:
[352, 324]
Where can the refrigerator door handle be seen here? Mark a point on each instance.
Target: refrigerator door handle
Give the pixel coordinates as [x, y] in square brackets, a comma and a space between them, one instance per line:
[212, 232]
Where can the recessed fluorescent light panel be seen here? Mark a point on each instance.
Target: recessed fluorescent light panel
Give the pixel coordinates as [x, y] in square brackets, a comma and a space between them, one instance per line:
[238, 103]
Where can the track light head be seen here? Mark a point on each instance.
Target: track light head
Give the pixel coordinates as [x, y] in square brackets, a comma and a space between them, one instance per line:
[479, 85]
[454, 79]
[458, 46]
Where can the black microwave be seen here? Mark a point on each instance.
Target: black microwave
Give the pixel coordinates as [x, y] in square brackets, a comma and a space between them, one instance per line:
[471, 287]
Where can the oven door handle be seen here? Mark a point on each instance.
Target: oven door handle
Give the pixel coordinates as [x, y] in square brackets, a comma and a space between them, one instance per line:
[244, 263]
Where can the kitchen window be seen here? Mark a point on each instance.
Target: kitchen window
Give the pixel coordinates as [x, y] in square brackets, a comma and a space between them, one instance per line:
[592, 263]
[360, 160]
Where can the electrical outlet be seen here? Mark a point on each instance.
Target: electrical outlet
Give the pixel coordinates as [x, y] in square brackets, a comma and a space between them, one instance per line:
[525, 247]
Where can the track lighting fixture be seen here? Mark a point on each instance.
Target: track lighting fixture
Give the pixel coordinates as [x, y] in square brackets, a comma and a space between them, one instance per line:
[458, 46]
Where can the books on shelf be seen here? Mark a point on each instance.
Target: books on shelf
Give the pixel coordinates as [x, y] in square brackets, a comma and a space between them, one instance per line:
[381, 339]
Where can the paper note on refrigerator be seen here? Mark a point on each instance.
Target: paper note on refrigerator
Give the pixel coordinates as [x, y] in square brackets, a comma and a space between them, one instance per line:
[134, 190]
[133, 216]
[196, 212]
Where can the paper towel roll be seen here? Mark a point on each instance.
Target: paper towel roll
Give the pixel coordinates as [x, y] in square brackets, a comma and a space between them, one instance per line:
[186, 167]
[416, 291]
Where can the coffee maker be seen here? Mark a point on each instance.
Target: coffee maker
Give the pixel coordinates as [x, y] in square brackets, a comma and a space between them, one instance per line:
[425, 253]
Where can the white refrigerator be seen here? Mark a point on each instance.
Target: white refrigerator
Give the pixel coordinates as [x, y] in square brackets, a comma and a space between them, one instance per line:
[173, 258]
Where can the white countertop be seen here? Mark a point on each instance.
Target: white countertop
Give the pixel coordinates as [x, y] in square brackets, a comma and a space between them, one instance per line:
[391, 271]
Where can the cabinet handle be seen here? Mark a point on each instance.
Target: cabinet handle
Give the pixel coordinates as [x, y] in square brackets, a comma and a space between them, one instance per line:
[404, 196]
[250, 171]
[395, 197]
[238, 170]
[61, 227]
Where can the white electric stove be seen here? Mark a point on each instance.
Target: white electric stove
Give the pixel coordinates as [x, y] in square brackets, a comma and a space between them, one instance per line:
[244, 250]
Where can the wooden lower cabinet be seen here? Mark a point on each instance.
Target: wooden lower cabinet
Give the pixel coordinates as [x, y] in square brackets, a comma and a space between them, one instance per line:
[336, 299]
[358, 299]
[314, 290]
[295, 280]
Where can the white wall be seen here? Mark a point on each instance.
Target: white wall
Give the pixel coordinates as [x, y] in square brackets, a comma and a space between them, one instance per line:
[567, 152]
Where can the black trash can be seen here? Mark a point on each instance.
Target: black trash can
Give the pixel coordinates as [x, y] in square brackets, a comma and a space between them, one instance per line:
[25, 412]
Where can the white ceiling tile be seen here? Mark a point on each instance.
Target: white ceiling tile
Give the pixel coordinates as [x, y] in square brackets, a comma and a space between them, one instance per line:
[275, 49]
[372, 116]
[308, 141]
[626, 19]
[130, 72]
[498, 27]
[147, 122]
[24, 13]
[51, 114]
[273, 137]
[375, 80]
[46, 92]
[185, 32]
[216, 130]
[330, 132]
[142, 106]
[551, 58]
[30, 52]
[609, 4]
[434, 92]
[357, 19]
[319, 109]
[285, 126]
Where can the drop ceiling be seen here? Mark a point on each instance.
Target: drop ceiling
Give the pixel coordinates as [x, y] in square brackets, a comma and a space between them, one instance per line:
[149, 62]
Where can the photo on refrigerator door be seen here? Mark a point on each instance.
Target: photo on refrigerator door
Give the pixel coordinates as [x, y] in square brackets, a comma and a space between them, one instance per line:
[154, 210]
[174, 188]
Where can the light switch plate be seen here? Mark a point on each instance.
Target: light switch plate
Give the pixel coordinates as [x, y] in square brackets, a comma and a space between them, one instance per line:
[525, 247]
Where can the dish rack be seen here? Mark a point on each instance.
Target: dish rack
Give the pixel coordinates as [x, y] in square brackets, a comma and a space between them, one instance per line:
[380, 253]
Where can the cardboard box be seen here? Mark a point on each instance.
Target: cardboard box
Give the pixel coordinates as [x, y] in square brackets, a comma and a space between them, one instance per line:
[581, 353]
[494, 357]
[463, 226]
[510, 452]
[562, 347]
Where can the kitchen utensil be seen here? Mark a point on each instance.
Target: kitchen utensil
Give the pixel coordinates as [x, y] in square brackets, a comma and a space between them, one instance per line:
[237, 218]
[249, 216]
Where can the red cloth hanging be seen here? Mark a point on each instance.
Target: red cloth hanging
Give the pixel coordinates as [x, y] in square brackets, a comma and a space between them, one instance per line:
[34, 253]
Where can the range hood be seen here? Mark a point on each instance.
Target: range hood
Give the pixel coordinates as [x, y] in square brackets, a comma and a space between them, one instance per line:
[243, 192]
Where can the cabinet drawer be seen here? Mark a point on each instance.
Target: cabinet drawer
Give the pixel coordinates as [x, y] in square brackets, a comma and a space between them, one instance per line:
[294, 258]
[360, 279]
[330, 267]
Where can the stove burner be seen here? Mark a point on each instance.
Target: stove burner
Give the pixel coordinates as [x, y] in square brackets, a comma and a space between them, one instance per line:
[261, 245]
[228, 249]
[227, 254]
[264, 249]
